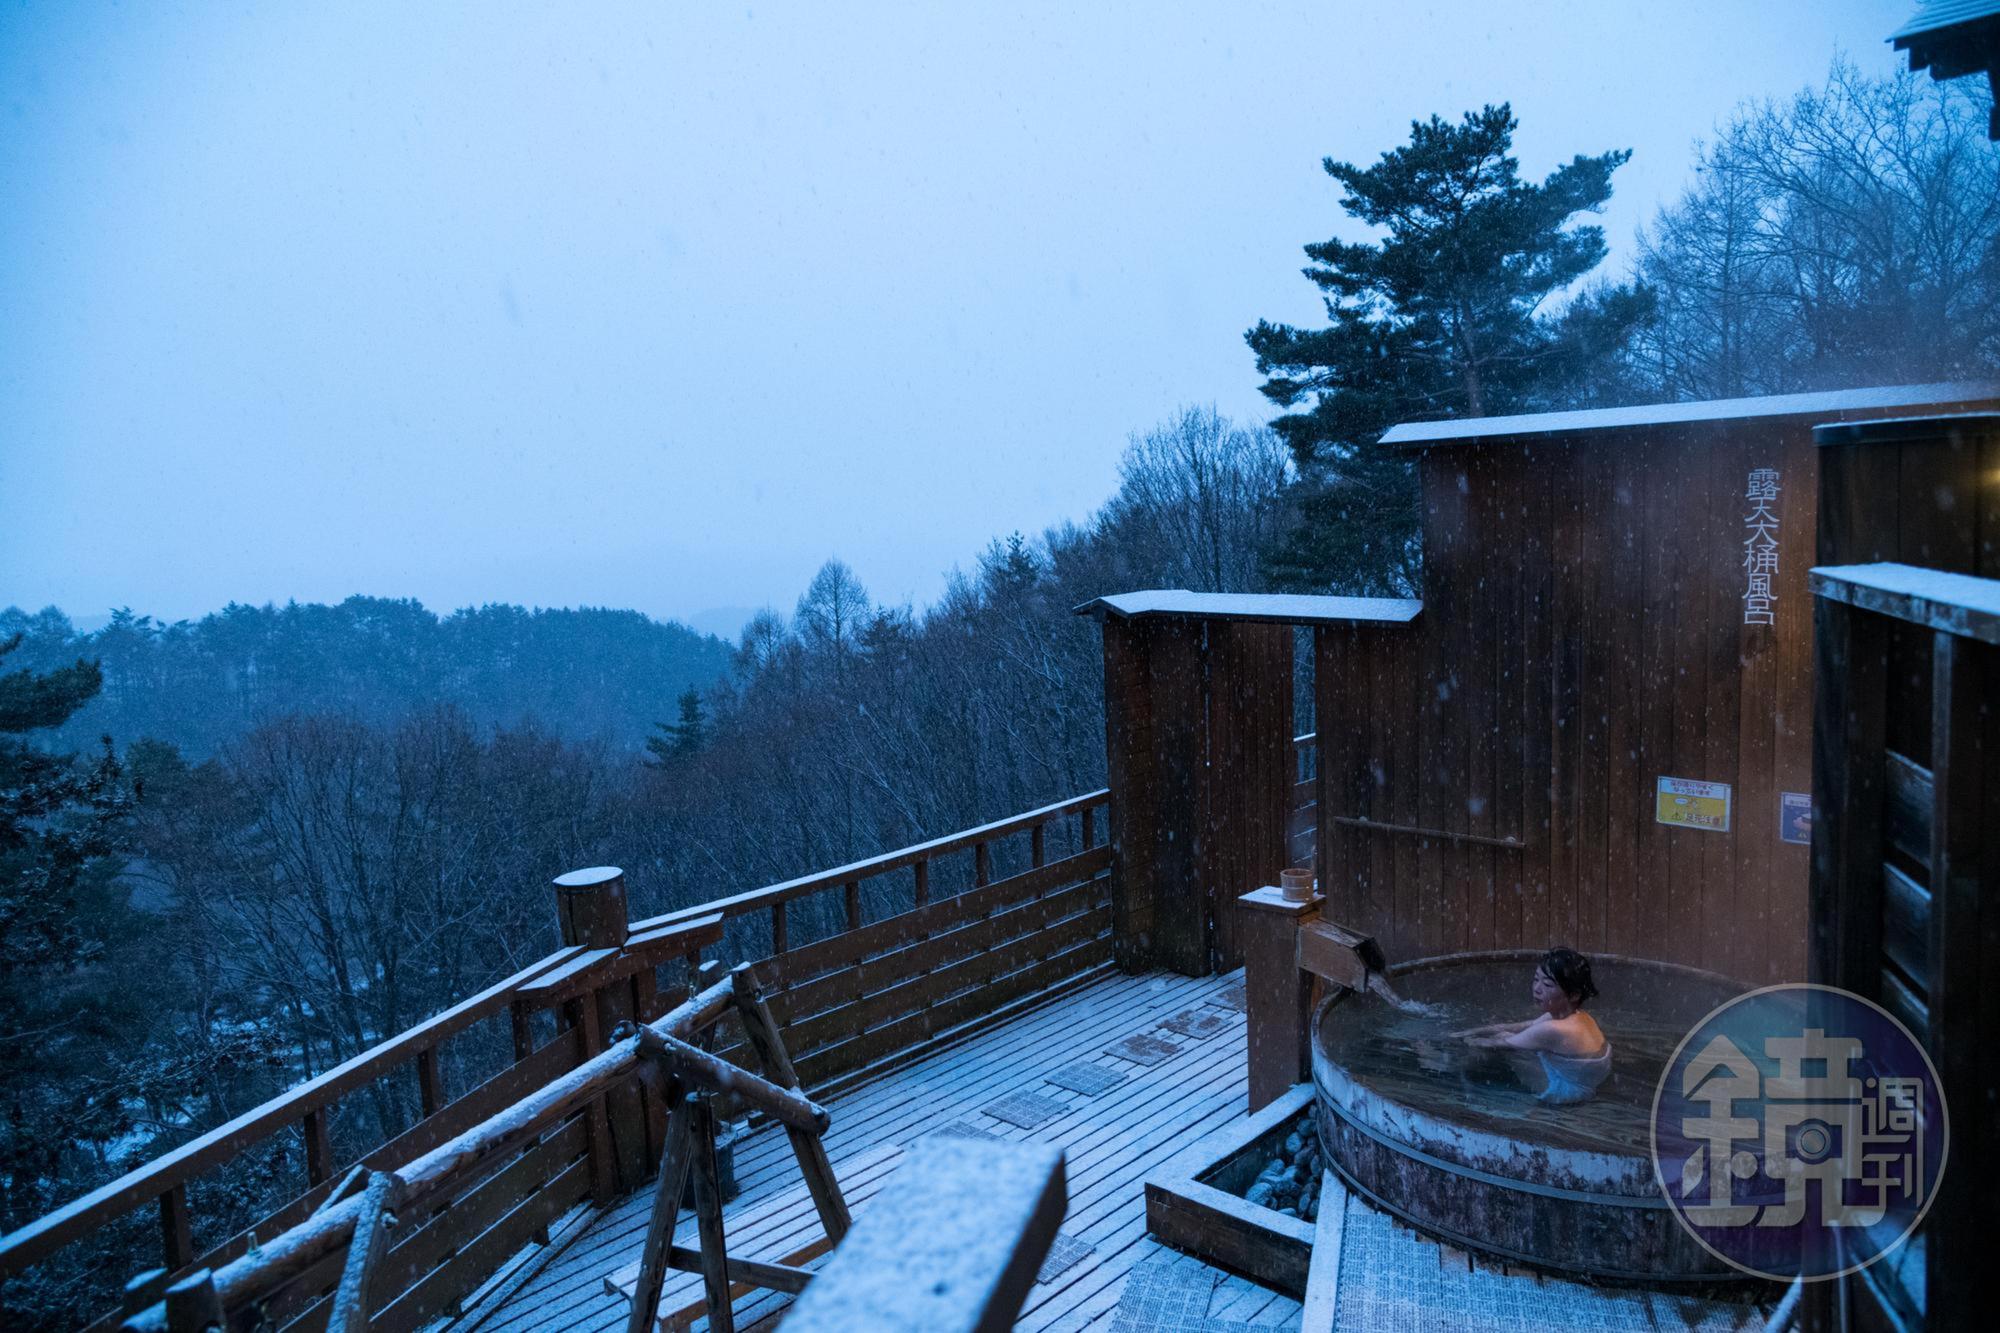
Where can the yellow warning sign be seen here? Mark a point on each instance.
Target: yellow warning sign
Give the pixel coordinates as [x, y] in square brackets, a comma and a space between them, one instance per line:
[1685, 803]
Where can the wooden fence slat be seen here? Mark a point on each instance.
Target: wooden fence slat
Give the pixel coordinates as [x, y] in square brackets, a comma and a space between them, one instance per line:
[935, 968]
[809, 961]
[910, 1030]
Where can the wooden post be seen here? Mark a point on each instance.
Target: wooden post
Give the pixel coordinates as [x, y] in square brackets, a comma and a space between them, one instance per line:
[1965, 968]
[176, 1231]
[430, 1084]
[524, 1035]
[1087, 828]
[582, 1014]
[922, 895]
[1277, 995]
[143, 1291]
[590, 907]
[952, 1246]
[319, 1149]
[982, 864]
[852, 892]
[778, 941]
[1038, 845]
[193, 1304]
[708, 1216]
[1850, 650]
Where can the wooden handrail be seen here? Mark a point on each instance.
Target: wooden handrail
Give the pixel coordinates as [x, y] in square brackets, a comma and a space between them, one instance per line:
[450, 1165]
[654, 940]
[171, 1170]
[755, 900]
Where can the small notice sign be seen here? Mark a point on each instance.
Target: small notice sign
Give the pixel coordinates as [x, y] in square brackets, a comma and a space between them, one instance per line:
[1685, 803]
[1795, 816]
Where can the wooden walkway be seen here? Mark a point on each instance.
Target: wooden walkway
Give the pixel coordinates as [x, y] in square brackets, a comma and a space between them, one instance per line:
[1111, 1139]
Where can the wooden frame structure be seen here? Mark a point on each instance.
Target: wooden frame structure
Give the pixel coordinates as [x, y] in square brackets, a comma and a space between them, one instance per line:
[1214, 797]
[692, 1078]
[1906, 771]
[1904, 870]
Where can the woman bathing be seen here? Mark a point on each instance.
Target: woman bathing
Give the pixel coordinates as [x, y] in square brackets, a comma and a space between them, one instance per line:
[1572, 1048]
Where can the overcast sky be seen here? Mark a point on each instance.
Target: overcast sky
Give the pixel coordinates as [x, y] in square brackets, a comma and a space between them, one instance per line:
[661, 304]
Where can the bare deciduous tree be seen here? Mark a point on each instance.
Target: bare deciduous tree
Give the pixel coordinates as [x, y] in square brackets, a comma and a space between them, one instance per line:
[1850, 236]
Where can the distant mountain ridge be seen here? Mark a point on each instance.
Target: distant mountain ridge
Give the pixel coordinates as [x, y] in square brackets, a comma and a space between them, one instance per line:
[580, 672]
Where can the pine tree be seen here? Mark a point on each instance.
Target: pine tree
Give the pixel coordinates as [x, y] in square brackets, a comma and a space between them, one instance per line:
[679, 740]
[55, 818]
[1447, 315]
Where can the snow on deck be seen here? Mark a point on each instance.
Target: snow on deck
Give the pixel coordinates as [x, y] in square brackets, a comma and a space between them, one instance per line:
[1110, 1139]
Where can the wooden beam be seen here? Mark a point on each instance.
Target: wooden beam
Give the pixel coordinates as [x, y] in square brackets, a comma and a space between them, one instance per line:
[1323, 1278]
[655, 1256]
[806, 1146]
[963, 1227]
[708, 1217]
[714, 1074]
[351, 1303]
[747, 1272]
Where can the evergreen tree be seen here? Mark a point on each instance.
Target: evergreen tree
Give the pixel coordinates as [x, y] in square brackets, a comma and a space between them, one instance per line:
[55, 817]
[60, 912]
[679, 740]
[1447, 315]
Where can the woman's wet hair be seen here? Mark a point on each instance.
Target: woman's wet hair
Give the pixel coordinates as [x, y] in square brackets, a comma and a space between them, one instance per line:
[1571, 971]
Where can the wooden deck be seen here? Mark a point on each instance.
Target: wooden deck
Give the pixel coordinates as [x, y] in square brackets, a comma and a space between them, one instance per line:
[1110, 1139]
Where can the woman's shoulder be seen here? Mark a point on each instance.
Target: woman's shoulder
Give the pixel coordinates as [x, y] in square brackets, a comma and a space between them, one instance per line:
[1583, 1035]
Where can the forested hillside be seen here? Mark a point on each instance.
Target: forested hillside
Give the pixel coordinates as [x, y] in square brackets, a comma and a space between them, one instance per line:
[586, 673]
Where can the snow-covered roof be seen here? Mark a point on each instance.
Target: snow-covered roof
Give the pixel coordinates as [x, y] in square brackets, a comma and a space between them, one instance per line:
[1934, 16]
[1879, 429]
[1956, 603]
[1832, 404]
[1280, 608]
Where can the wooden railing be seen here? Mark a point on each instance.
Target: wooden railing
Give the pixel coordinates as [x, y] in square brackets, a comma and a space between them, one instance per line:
[884, 980]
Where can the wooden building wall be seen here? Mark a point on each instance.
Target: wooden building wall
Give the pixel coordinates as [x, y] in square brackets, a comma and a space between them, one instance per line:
[1903, 903]
[1582, 636]
[1198, 747]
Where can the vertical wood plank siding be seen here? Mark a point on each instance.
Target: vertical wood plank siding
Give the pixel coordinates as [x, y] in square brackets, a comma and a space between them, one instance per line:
[1582, 636]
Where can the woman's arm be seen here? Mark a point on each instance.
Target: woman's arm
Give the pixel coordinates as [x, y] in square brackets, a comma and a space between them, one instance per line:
[1525, 1035]
[1495, 1029]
